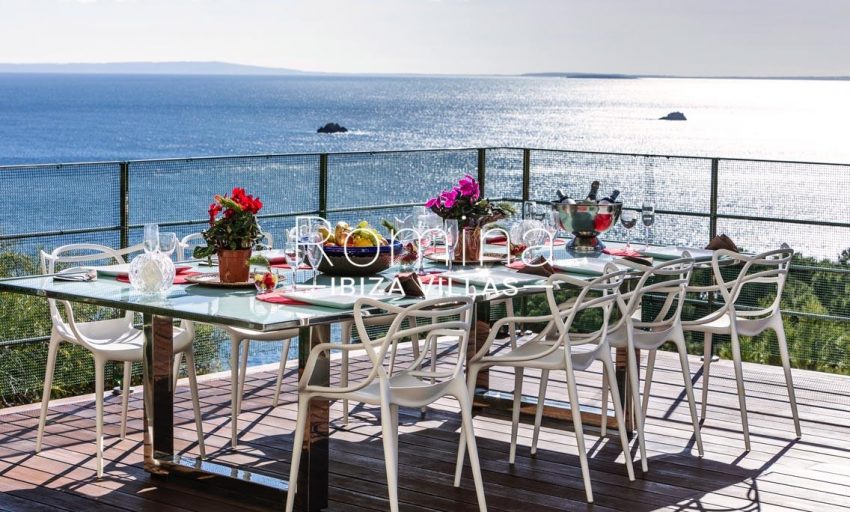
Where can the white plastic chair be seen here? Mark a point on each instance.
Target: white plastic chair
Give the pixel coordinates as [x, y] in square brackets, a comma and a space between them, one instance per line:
[240, 341]
[443, 320]
[562, 353]
[666, 283]
[107, 340]
[768, 268]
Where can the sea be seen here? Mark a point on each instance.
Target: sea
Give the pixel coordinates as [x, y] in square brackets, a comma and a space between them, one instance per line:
[56, 118]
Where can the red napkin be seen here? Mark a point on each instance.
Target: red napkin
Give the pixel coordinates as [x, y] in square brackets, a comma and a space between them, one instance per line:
[621, 252]
[286, 266]
[278, 298]
[496, 239]
[277, 260]
[433, 279]
[558, 241]
[180, 278]
[540, 267]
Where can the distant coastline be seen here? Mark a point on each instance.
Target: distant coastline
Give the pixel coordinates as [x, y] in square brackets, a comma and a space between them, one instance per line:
[227, 68]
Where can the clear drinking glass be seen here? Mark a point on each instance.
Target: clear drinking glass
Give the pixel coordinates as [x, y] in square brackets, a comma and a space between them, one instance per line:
[313, 247]
[151, 238]
[294, 257]
[647, 213]
[167, 243]
[628, 219]
[426, 239]
[452, 232]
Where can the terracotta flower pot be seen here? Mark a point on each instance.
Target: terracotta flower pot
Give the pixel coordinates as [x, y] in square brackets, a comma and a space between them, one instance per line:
[233, 265]
[468, 247]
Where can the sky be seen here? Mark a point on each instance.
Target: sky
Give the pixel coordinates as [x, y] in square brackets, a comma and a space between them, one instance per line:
[680, 37]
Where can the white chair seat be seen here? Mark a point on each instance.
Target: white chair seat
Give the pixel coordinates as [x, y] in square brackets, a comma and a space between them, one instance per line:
[119, 341]
[582, 356]
[723, 325]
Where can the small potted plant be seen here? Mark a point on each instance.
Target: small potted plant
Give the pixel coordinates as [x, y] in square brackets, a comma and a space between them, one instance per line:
[232, 233]
[464, 203]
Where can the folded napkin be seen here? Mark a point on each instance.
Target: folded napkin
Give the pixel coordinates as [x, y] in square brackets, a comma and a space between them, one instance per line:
[179, 278]
[287, 266]
[76, 274]
[558, 241]
[646, 262]
[409, 284]
[621, 252]
[722, 242]
[496, 239]
[277, 260]
[278, 298]
[433, 279]
[539, 267]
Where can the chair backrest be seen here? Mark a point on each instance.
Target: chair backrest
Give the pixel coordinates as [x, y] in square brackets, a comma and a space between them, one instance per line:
[78, 255]
[190, 241]
[441, 318]
[599, 293]
[665, 283]
[767, 268]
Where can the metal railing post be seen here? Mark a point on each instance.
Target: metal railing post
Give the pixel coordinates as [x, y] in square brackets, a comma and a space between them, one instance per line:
[712, 222]
[482, 168]
[124, 204]
[526, 173]
[323, 185]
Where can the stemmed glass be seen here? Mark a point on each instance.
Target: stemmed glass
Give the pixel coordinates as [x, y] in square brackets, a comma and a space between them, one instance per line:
[628, 218]
[648, 217]
[167, 243]
[294, 257]
[550, 224]
[151, 238]
[425, 227]
[451, 228]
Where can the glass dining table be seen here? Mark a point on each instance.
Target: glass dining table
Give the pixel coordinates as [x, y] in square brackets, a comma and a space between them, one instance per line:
[241, 308]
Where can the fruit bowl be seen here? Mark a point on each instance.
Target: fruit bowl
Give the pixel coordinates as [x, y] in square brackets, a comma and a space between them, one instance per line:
[360, 261]
[586, 220]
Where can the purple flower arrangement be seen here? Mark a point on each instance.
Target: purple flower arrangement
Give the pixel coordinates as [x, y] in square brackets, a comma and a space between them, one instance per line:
[464, 203]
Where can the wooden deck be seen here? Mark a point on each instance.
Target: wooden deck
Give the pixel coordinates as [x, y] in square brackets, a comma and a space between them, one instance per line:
[780, 473]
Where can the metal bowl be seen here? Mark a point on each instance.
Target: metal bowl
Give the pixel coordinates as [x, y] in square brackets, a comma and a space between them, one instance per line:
[586, 220]
[358, 261]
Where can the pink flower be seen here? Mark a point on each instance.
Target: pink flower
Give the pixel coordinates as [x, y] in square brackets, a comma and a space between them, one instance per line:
[469, 187]
[434, 201]
[449, 197]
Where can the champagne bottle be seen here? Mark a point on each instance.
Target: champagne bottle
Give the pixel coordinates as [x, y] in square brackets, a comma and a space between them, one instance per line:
[561, 195]
[610, 199]
[594, 191]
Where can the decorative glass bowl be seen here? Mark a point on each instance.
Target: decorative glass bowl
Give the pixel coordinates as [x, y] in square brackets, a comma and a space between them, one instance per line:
[151, 273]
[265, 281]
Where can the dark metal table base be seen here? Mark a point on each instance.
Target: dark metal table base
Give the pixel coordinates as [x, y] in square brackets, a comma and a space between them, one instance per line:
[161, 461]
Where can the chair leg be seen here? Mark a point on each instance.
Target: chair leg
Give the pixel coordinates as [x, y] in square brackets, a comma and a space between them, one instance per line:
[603, 407]
[739, 378]
[640, 417]
[175, 372]
[284, 355]
[243, 372]
[234, 387]
[196, 403]
[98, 395]
[389, 426]
[689, 388]
[618, 413]
[706, 368]
[125, 397]
[518, 374]
[647, 383]
[472, 375]
[467, 431]
[345, 339]
[786, 365]
[538, 413]
[297, 445]
[575, 407]
[509, 312]
[48, 385]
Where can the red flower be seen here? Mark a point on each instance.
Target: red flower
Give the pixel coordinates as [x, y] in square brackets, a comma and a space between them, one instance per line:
[214, 210]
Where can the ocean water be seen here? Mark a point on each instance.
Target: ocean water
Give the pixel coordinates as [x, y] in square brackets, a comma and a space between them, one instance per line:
[71, 118]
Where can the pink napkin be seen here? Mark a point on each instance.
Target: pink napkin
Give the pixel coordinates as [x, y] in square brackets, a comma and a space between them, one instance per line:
[621, 252]
[286, 266]
[180, 278]
[558, 241]
[433, 279]
[278, 298]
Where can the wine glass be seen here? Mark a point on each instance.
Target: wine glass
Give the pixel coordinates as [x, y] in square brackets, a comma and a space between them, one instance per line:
[151, 238]
[647, 212]
[451, 229]
[550, 224]
[313, 248]
[293, 256]
[167, 243]
[628, 218]
[425, 233]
